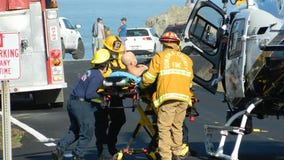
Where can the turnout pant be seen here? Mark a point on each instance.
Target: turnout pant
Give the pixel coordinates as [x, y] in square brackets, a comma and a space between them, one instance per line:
[171, 115]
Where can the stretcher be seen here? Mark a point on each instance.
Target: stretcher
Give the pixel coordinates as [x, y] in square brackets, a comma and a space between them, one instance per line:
[125, 87]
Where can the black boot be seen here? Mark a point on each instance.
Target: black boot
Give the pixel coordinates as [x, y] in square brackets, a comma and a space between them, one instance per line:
[100, 149]
[57, 154]
[112, 150]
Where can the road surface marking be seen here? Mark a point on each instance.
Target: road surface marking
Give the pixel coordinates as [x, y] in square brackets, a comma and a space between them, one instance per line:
[47, 141]
[257, 130]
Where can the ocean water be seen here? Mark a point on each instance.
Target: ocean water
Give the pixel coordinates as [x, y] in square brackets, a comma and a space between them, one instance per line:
[85, 13]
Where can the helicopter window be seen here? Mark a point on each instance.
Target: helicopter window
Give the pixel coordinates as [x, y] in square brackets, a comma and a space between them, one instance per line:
[198, 28]
[212, 16]
[262, 30]
[204, 29]
[209, 35]
[235, 42]
[202, 71]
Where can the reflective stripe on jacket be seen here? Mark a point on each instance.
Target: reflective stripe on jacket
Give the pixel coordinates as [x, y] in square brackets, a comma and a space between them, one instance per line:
[115, 65]
[173, 72]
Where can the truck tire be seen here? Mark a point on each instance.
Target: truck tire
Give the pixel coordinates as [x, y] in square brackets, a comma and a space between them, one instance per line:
[80, 52]
[62, 49]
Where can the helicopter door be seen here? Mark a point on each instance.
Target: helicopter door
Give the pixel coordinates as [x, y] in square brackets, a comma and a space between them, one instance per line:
[201, 42]
[236, 58]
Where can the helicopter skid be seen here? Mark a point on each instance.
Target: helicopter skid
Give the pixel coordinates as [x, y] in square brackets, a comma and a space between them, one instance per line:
[224, 131]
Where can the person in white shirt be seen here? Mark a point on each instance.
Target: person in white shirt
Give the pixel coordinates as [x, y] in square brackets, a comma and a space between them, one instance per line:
[98, 35]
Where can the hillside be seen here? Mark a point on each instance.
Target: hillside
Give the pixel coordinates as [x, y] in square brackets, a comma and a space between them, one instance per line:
[175, 14]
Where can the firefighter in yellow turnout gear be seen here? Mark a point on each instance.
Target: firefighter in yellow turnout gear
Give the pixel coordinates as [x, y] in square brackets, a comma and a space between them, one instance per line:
[172, 72]
[115, 46]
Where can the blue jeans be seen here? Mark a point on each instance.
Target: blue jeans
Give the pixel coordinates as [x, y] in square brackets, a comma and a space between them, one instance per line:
[123, 39]
[81, 129]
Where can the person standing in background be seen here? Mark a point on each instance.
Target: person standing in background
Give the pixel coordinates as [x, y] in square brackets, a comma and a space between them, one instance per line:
[122, 30]
[98, 33]
[107, 31]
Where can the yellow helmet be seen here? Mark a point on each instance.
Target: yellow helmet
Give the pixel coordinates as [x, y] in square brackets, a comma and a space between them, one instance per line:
[114, 43]
[101, 56]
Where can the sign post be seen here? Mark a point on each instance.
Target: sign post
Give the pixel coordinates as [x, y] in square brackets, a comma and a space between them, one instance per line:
[6, 123]
[9, 70]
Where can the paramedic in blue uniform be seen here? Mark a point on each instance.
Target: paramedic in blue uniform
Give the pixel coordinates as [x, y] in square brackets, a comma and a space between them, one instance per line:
[81, 111]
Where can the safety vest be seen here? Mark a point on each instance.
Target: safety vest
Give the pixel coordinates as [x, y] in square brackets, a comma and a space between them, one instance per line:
[172, 72]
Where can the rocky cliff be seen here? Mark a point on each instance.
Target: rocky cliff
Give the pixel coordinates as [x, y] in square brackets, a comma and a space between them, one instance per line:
[174, 15]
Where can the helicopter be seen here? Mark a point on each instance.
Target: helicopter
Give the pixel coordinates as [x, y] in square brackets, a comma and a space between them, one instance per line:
[241, 47]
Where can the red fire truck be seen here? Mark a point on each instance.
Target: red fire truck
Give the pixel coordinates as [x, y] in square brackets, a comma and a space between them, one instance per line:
[42, 75]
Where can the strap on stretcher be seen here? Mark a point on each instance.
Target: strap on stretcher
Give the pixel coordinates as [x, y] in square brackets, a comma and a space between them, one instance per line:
[119, 86]
[122, 87]
[118, 81]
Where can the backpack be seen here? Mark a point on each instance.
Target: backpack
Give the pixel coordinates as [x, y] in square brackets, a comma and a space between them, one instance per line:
[95, 30]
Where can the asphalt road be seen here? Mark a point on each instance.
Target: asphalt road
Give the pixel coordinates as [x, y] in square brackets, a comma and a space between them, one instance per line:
[53, 124]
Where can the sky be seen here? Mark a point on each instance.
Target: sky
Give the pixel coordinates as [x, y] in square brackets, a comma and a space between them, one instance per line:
[86, 12]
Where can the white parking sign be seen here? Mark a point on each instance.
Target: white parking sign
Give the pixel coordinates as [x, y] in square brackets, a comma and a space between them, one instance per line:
[9, 55]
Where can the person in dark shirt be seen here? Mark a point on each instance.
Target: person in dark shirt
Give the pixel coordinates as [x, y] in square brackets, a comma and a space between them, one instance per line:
[81, 111]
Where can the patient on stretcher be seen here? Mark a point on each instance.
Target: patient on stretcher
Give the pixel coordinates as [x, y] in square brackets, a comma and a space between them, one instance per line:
[130, 61]
[134, 70]
[122, 81]
[131, 78]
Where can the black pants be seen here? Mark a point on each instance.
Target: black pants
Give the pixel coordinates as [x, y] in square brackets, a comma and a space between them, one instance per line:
[108, 124]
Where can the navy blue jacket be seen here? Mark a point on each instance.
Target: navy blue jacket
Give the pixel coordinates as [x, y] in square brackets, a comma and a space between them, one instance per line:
[88, 85]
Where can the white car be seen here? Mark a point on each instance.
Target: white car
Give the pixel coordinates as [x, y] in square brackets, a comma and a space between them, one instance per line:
[71, 39]
[142, 41]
